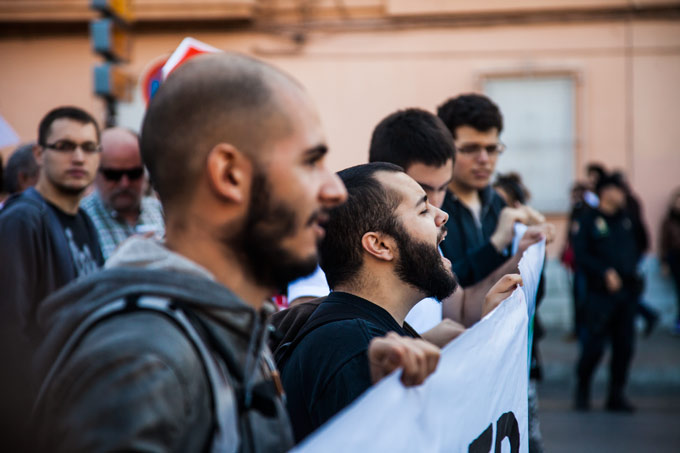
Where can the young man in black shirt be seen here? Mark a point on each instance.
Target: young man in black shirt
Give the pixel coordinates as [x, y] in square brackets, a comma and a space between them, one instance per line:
[47, 240]
[381, 257]
[607, 253]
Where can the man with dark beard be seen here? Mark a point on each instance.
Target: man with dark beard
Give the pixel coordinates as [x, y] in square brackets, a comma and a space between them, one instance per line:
[118, 208]
[165, 349]
[380, 256]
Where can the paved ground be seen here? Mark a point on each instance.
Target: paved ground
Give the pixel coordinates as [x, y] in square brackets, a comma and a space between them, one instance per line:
[654, 389]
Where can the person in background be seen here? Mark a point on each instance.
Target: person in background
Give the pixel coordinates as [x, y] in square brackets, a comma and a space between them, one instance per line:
[634, 209]
[118, 207]
[481, 226]
[607, 252]
[21, 171]
[47, 241]
[669, 249]
[578, 283]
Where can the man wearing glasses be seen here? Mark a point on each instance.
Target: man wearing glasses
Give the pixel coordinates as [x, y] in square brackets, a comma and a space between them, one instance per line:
[481, 227]
[47, 241]
[118, 207]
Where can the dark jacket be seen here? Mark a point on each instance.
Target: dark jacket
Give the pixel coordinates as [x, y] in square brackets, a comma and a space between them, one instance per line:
[35, 261]
[467, 244]
[136, 382]
[603, 242]
[328, 368]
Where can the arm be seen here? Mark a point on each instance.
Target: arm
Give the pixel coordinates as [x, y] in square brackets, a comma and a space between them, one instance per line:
[21, 277]
[466, 304]
[129, 392]
[443, 333]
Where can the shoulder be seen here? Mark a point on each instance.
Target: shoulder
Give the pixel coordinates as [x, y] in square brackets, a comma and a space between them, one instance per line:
[151, 204]
[136, 367]
[90, 202]
[21, 215]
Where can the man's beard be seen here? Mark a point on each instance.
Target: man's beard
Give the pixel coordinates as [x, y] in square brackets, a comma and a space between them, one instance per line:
[70, 191]
[259, 243]
[420, 265]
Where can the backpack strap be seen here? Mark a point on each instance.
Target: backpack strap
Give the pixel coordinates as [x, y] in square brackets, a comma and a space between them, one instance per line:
[225, 407]
[315, 320]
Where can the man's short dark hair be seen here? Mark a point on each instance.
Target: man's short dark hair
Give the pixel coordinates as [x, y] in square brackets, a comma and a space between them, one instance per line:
[411, 136]
[474, 110]
[68, 112]
[610, 180]
[23, 161]
[369, 207]
[596, 168]
[211, 99]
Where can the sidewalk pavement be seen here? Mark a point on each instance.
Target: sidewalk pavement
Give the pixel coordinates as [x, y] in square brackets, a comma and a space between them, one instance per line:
[654, 388]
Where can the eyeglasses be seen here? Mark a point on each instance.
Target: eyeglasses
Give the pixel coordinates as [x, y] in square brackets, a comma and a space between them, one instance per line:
[112, 174]
[475, 149]
[68, 146]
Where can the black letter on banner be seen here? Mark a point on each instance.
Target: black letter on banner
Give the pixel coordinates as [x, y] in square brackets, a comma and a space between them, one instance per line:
[482, 444]
[507, 427]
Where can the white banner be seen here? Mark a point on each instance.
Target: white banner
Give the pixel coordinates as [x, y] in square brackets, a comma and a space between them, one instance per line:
[476, 401]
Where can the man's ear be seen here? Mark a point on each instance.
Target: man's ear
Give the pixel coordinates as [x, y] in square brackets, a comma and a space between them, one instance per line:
[229, 172]
[379, 245]
[38, 151]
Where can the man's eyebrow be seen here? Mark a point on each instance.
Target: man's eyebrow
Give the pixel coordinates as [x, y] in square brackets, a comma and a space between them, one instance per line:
[443, 186]
[426, 186]
[422, 200]
[316, 152]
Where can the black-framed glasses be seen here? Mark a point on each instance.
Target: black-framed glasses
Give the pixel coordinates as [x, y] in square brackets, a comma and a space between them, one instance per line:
[475, 149]
[113, 174]
[68, 146]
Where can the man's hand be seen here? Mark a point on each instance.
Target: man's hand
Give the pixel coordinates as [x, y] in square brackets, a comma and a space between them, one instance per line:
[417, 357]
[500, 291]
[612, 280]
[533, 217]
[534, 234]
[505, 229]
[444, 332]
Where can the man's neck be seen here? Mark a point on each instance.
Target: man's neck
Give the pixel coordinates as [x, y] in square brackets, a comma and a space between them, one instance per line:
[467, 195]
[396, 298]
[196, 244]
[66, 202]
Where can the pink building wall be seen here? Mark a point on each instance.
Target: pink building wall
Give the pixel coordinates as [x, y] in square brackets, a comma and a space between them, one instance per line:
[627, 72]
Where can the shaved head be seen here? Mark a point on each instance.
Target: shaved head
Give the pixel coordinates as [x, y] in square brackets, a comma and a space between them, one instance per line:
[211, 99]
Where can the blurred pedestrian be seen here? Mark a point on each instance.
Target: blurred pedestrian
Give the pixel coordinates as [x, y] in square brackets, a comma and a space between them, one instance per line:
[118, 207]
[47, 242]
[607, 252]
[634, 210]
[669, 248]
[21, 171]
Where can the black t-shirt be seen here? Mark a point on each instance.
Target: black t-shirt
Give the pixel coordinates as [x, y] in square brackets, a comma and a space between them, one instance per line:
[82, 241]
[329, 368]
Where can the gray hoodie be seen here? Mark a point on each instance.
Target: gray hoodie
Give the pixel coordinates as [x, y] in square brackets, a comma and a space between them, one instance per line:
[136, 381]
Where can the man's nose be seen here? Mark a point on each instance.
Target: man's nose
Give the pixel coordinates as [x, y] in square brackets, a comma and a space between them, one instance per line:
[441, 217]
[333, 191]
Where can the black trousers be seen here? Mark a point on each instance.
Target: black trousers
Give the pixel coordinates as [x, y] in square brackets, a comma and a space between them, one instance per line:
[608, 318]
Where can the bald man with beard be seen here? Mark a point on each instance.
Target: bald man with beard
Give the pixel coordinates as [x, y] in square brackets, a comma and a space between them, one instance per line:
[171, 355]
[118, 207]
